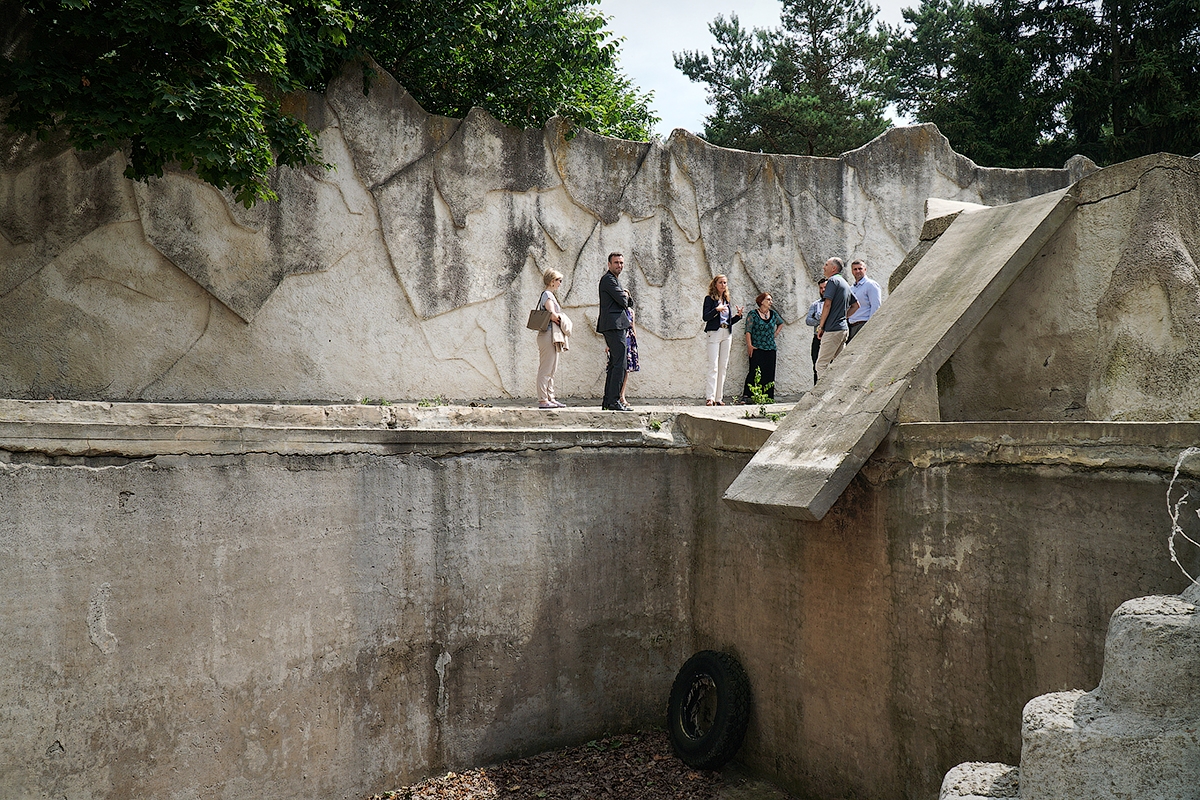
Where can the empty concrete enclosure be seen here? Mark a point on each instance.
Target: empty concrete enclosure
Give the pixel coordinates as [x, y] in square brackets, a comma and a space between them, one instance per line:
[221, 576]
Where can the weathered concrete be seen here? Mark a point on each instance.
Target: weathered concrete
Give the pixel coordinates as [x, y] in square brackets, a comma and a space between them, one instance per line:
[807, 464]
[328, 626]
[412, 264]
[299, 623]
[1135, 736]
[980, 781]
[1104, 322]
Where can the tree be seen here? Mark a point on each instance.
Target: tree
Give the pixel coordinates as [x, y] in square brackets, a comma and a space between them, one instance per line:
[522, 60]
[1004, 112]
[1027, 83]
[921, 60]
[1137, 88]
[201, 83]
[816, 85]
[207, 83]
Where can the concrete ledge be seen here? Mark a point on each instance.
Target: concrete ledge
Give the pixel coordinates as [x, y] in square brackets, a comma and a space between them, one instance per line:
[138, 430]
[1108, 445]
[739, 436]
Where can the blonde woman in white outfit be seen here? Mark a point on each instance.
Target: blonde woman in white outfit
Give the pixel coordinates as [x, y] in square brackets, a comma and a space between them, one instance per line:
[550, 341]
[719, 318]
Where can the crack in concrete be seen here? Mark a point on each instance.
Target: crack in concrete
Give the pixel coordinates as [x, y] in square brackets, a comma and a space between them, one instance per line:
[100, 279]
[207, 321]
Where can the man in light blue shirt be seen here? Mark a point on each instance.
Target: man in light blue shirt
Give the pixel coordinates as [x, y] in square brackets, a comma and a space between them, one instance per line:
[868, 295]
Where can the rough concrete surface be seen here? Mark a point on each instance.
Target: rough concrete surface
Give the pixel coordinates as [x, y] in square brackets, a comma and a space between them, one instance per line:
[296, 623]
[1136, 735]
[980, 780]
[1064, 340]
[1103, 322]
[407, 271]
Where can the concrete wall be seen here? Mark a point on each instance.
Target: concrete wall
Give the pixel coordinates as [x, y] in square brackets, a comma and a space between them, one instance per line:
[407, 272]
[278, 625]
[328, 626]
[1104, 323]
[887, 642]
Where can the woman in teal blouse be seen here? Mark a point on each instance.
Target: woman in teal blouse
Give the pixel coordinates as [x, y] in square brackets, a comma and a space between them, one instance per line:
[761, 326]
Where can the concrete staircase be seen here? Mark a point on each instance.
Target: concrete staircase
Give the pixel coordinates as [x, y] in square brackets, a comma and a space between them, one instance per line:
[1136, 736]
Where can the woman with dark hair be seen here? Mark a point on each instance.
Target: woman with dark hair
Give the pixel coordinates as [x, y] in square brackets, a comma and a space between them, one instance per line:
[762, 325]
[719, 319]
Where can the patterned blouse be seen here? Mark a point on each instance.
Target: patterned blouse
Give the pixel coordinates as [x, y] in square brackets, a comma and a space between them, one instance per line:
[762, 331]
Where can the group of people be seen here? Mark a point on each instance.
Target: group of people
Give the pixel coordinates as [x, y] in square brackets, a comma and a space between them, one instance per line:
[840, 312]
[836, 317]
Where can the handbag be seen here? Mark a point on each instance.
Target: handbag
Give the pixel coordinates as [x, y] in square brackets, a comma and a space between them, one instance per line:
[539, 318]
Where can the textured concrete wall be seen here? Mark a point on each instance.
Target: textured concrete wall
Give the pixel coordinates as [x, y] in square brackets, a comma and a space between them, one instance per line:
[407, 271]
[1104, 323]
[903, 634]
[298, 626]
[267, 625]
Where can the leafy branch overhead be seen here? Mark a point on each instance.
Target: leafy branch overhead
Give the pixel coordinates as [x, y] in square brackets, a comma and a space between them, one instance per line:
[210, 84]
[201, 84]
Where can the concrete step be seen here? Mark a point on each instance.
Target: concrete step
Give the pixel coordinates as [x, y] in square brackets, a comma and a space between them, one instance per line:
[981, 780]
[1152, 658]
[1073, 747]
[1136, 736]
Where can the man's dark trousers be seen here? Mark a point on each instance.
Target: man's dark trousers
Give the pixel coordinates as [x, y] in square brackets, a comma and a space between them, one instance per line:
[616, 367]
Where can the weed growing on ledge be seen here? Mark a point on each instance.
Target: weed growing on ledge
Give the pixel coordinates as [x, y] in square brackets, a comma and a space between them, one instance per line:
[378, 401]
[431, 402]
[760, 398]
[655, 425]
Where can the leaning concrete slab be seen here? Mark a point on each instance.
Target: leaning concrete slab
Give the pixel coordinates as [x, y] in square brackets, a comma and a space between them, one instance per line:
[892, 365]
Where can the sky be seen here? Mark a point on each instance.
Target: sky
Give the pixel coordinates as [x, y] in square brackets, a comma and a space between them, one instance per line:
[654, 29]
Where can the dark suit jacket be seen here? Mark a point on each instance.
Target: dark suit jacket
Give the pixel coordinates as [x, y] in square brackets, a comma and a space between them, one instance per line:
[712, 317]
[613, 302]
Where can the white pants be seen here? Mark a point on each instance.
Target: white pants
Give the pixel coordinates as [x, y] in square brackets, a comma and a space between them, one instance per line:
[547, 366]
[718, 359]
[832, 343]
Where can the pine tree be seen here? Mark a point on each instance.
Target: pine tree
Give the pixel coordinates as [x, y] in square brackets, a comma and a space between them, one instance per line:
[815, 86]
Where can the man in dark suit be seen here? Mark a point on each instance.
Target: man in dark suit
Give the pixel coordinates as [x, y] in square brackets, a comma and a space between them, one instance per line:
[613, 323]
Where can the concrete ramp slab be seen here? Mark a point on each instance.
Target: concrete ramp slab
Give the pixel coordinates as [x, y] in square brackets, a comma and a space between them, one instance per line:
[890, 370]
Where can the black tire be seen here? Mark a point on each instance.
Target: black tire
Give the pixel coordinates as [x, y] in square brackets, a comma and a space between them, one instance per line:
[709, 710]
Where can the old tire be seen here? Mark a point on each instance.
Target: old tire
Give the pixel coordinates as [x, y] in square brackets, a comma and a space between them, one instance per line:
[709, 709]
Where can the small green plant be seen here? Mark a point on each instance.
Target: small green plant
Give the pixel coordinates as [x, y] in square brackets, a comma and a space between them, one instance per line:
[379, 401]
[759, 393]
[655, 425]
[431, 402]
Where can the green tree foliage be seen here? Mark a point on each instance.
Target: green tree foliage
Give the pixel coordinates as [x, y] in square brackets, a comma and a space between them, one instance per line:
[922, 58]
[522, 60]
[200, 83]
[816, 85]
[1136, 89]
[1027, 83]
[207, 83]
[999, 99]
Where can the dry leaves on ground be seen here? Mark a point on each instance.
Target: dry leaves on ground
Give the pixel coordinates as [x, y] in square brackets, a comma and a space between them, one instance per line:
[636, 766]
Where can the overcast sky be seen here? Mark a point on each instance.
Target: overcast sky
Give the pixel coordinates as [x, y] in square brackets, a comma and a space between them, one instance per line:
[654, 29]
